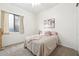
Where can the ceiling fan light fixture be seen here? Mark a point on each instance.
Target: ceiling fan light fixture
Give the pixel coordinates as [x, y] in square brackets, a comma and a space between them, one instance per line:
[35, 4]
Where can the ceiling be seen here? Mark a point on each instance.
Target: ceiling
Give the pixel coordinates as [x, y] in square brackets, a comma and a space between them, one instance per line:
[35, 9]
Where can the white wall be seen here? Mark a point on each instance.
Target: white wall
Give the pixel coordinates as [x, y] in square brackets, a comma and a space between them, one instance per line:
[29, 24]
[64, 15]
[78, 26]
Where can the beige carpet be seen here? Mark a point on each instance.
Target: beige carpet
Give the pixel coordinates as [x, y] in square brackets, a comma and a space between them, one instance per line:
[19, 50]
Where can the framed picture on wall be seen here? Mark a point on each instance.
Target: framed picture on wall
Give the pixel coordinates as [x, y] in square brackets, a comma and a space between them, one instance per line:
[49, 23]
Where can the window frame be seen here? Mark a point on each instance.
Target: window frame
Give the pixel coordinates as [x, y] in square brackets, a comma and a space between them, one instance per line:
[14, 23]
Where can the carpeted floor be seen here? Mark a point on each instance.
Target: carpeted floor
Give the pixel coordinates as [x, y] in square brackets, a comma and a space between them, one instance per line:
[19, 50]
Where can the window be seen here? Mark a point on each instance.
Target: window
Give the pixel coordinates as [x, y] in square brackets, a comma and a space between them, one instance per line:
[14, 23]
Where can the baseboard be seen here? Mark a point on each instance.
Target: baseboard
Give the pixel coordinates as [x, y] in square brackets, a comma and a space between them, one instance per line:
[11, 45]
[1, 49]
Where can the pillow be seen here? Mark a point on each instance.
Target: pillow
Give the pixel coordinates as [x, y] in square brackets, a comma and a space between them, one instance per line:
[49, 33]
[54, 33]
[41, 33]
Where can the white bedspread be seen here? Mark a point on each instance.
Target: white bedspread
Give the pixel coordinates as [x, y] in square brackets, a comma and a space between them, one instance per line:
[41, 45]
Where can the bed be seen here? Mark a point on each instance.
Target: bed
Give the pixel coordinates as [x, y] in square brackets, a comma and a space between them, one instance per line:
[41, 45]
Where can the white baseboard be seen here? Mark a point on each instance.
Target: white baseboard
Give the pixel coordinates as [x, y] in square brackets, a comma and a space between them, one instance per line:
[11, 45]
